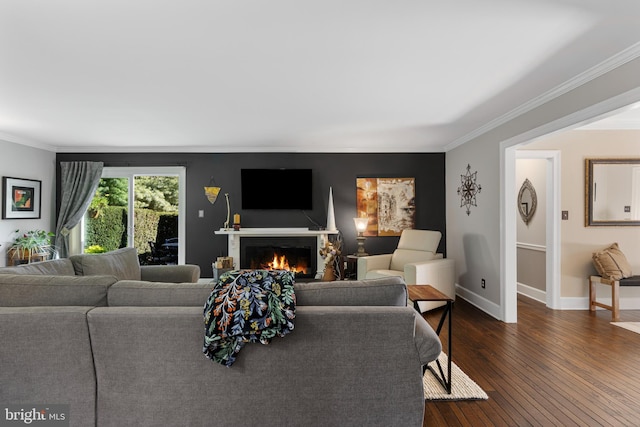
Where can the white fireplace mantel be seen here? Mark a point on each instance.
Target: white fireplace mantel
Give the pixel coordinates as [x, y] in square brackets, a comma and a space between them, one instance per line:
[234, 237]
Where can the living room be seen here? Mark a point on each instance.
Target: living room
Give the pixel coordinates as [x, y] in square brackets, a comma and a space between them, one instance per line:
[341, 175]
[591, 84]
[465, 108]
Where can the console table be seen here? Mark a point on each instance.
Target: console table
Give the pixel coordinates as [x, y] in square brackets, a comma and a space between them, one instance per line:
[419, 293]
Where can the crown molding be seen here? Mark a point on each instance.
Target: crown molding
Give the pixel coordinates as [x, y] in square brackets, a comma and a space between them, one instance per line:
[610, 64]
[235, 149]
[25, 141]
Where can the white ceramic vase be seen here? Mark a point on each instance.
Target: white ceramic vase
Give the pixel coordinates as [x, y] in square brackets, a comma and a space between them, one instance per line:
[331, 215]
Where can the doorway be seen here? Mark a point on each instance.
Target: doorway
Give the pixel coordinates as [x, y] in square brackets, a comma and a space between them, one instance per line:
[146, 208]
[551, 225]
[508, 154]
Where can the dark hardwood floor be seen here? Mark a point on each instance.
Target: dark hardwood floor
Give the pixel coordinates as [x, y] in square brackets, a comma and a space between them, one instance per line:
[552, 368]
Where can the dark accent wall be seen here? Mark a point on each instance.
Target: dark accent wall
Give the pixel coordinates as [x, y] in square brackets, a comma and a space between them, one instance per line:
[329, 170]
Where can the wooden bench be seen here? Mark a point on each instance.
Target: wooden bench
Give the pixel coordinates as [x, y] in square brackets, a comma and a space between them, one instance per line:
[615, 293]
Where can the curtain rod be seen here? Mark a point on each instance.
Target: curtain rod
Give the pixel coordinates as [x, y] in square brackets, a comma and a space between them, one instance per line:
[129, 164]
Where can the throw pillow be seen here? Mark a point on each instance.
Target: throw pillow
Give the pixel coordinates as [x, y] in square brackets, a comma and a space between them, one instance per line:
[121, 263]
[611, 263]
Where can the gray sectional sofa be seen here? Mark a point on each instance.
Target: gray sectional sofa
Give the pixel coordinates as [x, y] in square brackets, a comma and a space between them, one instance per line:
[102, 269]
[129, 353]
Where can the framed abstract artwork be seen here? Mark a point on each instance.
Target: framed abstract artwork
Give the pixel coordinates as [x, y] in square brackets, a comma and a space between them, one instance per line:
[20, 198]
[389, 203]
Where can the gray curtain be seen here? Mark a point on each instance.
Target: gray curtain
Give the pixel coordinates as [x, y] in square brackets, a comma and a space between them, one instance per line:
[78, 181]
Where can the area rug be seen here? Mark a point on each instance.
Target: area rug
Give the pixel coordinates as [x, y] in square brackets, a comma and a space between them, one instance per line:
[632, 326]
[462, 387]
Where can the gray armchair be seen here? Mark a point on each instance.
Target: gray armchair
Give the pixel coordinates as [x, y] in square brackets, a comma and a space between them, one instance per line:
[416, 261]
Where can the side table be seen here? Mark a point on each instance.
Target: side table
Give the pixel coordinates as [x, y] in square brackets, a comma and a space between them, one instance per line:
[351, 267]
[429, 293]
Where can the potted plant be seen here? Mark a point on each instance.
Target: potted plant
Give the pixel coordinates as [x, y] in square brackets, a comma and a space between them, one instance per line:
[31, 246]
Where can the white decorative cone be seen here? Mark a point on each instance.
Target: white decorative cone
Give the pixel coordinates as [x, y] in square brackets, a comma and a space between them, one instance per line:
[331, 215]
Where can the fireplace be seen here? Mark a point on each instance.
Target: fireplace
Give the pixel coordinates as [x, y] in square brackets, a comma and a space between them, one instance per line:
[295, 254]
[316, 240]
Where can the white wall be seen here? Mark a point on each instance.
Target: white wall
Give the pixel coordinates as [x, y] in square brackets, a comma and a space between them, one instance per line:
[21, 161]
[475, 241]
[578, 241]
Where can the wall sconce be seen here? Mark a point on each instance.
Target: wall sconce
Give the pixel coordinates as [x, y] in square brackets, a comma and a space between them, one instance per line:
[361, 227]
[212, 191]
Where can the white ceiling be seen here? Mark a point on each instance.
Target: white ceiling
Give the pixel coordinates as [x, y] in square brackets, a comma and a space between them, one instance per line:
[289, 75]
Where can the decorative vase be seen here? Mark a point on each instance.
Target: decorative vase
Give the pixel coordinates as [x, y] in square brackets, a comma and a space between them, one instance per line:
[329, 273]
[331, 215]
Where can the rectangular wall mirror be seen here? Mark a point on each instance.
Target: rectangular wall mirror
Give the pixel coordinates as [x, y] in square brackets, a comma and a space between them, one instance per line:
[612, 195]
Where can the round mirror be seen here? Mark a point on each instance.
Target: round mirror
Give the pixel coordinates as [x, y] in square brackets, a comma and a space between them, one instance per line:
[527, 201]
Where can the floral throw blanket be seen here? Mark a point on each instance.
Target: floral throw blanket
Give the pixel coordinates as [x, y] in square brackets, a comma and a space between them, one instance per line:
[247, 306]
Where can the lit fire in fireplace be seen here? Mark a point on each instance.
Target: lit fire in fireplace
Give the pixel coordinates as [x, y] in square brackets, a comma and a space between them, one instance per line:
[280, 262]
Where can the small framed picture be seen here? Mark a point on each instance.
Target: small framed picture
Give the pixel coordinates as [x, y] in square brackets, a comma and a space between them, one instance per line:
[20, 198]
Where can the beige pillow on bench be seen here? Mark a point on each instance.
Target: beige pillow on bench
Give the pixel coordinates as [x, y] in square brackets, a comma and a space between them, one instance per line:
[611, 263]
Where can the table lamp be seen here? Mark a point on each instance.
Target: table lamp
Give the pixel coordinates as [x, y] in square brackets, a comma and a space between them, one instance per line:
[361, 227]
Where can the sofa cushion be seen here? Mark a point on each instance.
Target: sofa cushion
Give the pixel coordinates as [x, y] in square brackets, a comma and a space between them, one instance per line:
[611, 263]
[60, 267]
[147, 294]
[382, 291]
[360, 365]
[25, 290]
[46, 358]
[170, 273]
[121, 263]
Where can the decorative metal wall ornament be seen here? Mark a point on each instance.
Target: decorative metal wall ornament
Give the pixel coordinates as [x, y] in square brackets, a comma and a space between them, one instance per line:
[468, 189]
[527, 201]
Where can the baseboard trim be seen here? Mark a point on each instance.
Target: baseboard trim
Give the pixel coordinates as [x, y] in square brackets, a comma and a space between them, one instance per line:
[489, 307]
[531, 247]
[533, 293]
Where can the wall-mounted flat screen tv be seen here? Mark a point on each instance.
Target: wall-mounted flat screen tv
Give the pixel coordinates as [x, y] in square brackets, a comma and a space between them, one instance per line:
[276, 189]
